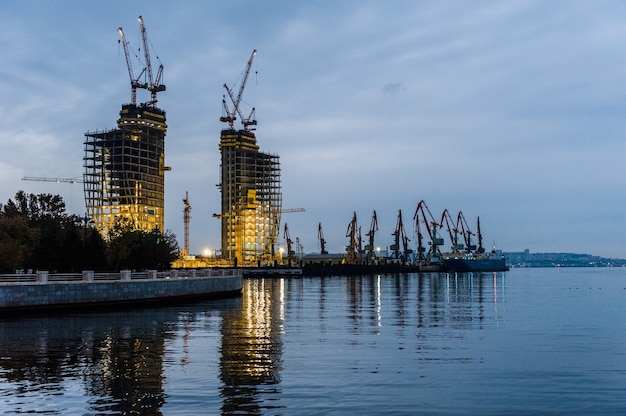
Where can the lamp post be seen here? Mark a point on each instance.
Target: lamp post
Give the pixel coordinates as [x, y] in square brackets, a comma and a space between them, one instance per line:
[157, 240]
[86, 221]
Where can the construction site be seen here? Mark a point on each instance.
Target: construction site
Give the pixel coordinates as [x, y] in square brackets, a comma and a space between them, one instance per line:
[124, 172]
[250, 186]
[124, 168]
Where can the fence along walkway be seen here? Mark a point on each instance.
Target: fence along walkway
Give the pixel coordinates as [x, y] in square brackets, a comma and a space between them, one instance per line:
[43, 277]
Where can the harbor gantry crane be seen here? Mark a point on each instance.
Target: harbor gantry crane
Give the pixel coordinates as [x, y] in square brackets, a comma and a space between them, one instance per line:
[320, 236]
[186, 218]
[154, 84]
[352, 249]
[453, 231]
[480, 249]
[399, 236]
[290, 253]
[369, 247]
[434, 254]
[134, 82]
[229, 116]
[467, 234]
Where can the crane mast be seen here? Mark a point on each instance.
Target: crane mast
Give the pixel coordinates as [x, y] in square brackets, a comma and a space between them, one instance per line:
[186, 218]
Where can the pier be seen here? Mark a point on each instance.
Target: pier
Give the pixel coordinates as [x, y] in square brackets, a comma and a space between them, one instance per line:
[42, 290]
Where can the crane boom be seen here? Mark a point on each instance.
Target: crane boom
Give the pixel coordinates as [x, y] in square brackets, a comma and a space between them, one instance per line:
[41, 179]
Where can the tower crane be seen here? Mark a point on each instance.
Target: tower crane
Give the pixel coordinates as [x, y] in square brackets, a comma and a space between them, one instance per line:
[134, 82]
[230, 116]
[434, 253]
[154, 84]
[186, 218]
[369, 248]
[320, 236]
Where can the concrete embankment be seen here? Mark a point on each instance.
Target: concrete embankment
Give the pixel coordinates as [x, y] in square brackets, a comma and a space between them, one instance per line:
[64, 291]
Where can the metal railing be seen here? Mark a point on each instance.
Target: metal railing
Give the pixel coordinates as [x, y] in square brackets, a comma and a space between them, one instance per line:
[43, 277]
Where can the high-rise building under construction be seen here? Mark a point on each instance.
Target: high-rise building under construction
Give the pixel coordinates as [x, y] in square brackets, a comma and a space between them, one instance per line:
[124, 170]
[124, 167]
[250, 188]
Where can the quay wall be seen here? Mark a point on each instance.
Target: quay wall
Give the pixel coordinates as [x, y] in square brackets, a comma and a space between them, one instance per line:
[59, 295]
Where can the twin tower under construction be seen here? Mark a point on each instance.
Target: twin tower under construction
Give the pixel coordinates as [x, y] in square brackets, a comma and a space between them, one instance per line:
[124, 171]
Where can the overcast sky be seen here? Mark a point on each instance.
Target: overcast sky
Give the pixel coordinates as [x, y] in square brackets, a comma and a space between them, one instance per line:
[512, 111]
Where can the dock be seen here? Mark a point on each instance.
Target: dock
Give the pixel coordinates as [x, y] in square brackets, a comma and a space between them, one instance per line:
[42, 290]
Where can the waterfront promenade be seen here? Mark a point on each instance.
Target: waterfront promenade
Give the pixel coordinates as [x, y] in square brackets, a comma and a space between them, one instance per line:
[46, 290]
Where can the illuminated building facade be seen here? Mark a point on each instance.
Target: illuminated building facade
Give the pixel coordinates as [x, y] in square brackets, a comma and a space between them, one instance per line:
[124, 170]
[251, 198]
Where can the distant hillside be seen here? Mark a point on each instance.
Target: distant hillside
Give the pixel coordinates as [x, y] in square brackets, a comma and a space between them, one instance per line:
[527, 259]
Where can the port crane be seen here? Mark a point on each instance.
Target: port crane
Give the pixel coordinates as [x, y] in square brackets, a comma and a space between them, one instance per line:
[320, 236]
[434, 254]
[353, 233]
[453, 231]
[467, 234]
[399, 236]
[369, 248]
[290, 252]
[154, 84]
[229, 116]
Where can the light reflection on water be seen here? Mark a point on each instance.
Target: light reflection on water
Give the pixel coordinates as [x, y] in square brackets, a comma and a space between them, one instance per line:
[525, 341]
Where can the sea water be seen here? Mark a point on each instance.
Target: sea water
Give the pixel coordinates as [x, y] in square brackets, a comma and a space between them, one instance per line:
[527, 341]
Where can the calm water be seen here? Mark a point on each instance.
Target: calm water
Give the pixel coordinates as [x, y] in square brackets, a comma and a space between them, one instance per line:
[528, 341]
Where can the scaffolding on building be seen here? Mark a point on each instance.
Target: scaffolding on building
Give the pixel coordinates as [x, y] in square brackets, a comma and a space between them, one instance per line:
[251, 198]
[124, 170]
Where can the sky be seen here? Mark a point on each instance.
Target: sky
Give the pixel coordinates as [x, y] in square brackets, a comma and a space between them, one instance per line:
[508, 111]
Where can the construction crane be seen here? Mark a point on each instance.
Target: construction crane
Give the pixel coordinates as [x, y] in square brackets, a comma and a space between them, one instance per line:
[154, 84]
[400, 237]
[41, 179]
[134, 82]
[186, 218]
[369, 248]
[320, 236]
[434, 254]
[229, 115]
